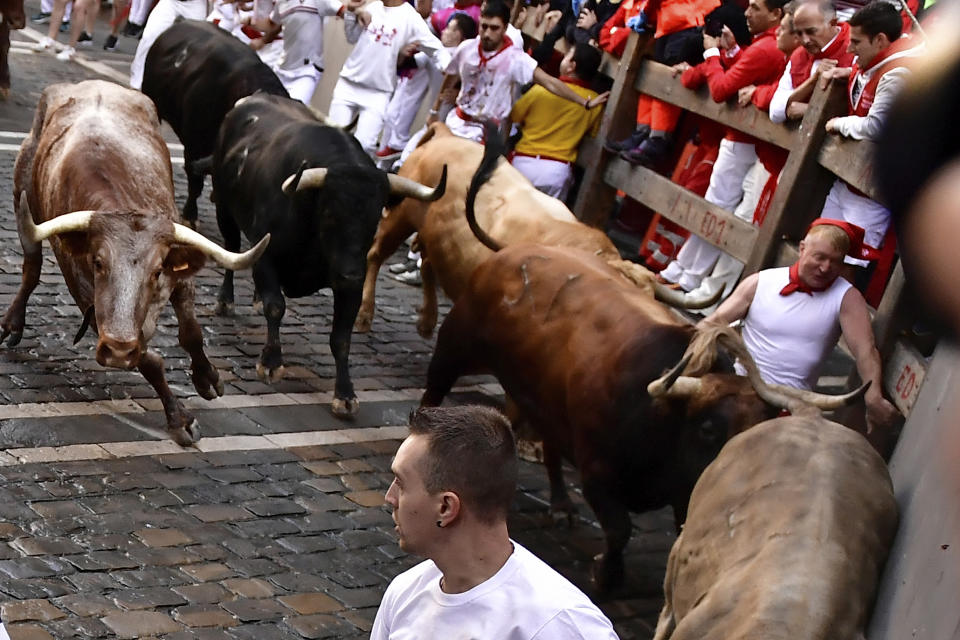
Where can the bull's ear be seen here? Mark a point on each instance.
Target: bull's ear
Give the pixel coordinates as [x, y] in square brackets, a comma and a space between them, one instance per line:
[74, 243]
[183, 261]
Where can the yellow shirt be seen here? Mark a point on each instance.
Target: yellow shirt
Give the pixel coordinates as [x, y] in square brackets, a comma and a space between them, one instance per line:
[553, 126]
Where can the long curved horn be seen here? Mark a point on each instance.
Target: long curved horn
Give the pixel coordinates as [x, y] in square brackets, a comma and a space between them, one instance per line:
[680, 300]
[682, 387]
[825, 401]
[74, 221]
[400, 186]
[226, 259]
[323, 118]
[662, 385]
[308, 179]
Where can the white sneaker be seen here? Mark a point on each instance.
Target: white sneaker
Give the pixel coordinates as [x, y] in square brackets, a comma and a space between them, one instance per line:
[47, 43]
[66, 54]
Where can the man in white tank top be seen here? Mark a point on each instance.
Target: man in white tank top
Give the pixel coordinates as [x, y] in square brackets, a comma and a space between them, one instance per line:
[793, 316]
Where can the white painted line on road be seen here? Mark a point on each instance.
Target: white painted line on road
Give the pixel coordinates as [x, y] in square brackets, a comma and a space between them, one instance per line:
[117, 450]
[83, 61]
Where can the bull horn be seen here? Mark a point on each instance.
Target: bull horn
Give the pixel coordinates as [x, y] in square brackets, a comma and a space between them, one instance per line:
[682, 387]
[323, 118]
[663, 384]
[824, 401]
[305, 179]
[400, 186]
[74, 221]
[681, 300]
[226, 259]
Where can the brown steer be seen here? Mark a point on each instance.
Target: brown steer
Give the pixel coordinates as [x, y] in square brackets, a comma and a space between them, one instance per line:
[575, 345]
[785, 538]
[510, 209]
[96, 174]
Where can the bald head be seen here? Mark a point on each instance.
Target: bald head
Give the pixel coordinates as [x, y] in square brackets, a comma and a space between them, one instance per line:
[815, 23]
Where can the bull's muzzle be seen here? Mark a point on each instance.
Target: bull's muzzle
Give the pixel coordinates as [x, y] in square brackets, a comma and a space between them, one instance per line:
[118, 354]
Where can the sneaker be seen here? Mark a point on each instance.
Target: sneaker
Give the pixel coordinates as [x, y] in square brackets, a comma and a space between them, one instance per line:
[48, 43]
[650, 152]
[632, 142]
[66, 54]
[388, 152]
[84, 39]
[402, 267]
[110, 44]
[409, 277]
[65, 26]
[41, 18]
[132, 29]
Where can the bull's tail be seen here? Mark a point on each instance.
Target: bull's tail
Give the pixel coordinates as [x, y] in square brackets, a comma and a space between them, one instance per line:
[494, 148]
[201, 167]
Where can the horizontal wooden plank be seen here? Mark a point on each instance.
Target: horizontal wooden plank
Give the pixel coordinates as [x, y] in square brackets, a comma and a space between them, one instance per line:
[904, 374]
[717, 226]
[850, 160]
[657, 80]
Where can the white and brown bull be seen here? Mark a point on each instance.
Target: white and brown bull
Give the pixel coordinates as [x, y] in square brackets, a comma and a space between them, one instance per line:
[510, 209]
[94, 178]
[786, 535]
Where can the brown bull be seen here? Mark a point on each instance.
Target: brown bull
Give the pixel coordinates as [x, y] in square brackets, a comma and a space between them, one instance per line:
[96, 175]
[786, 536]
[579, 349]
[511, 210]
[12, 17]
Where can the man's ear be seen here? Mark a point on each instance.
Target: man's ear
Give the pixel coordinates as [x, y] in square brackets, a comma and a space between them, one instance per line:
[801, 246]
[449, 507]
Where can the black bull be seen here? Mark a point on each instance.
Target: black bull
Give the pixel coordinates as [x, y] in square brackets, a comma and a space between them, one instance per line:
[195, 72]
[13, 18]
[322, 222]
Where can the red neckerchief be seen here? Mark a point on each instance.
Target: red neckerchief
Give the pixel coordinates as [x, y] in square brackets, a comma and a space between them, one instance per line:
[796, 284]
[574, 81]
[506, 44]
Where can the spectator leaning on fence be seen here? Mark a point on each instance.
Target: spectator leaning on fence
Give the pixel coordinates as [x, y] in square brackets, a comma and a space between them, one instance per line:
[553, 127]
[882, 66]
[825, 46]
[454, 480]
[760, 63]
[489, 68]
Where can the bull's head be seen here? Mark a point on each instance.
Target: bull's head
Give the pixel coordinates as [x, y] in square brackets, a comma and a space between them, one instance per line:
[135, 260]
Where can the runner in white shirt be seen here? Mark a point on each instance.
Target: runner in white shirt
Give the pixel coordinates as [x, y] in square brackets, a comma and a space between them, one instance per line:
[382, 30]
[301, 21]
[490, 68]
[451, 507]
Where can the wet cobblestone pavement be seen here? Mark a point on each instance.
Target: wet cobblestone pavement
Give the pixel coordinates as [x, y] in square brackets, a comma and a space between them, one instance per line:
[274, 527]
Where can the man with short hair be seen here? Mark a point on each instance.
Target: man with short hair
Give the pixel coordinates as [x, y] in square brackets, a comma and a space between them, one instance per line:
[454, 480]
[824, 44]
[880, 70]
[553, 127]
[793, 316]
[489, 67]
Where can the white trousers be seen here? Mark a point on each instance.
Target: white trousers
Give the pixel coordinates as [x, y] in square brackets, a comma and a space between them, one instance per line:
[46, 6]
[352, 100]
[404, 106]
[697, 256]
[472, 130]
[300, 83]
[871, 216]
[161, 18]
[550, 176]
[139, 10]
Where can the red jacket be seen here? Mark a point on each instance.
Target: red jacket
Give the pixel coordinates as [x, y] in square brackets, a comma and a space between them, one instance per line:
[760, 63]
[672, 16]
[614, 34]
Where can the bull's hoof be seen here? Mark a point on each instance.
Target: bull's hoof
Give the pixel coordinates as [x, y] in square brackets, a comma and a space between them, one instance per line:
[223, 309]
[607, 572]
[345, 407]
[186, 436]
[425, 327]
[563, 514]
[208, 384]
[269, 374]
[363, 322]
[15, 337]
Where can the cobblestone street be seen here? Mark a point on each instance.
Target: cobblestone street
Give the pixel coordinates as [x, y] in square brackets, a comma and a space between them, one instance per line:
[274, 526]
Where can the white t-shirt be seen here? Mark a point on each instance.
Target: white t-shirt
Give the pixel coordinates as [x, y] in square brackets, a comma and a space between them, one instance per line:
[373, 61]
[489, 78]
[525, 600]
[302, 22]
[790, 336]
